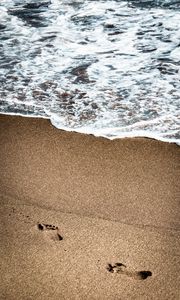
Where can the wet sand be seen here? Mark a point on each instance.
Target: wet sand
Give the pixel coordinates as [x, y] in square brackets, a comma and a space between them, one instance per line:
[85, 217]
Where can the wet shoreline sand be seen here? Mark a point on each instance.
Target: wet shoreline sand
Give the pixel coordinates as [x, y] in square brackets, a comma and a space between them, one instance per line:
[110, 202]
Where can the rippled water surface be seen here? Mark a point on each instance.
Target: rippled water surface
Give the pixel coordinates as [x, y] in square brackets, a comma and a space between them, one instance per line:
[111, 68]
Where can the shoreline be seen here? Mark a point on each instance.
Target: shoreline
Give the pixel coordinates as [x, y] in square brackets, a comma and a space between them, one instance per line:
[111, 201]
[144, 135]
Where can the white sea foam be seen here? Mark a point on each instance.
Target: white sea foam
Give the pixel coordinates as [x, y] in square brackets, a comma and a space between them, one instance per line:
[108, 68]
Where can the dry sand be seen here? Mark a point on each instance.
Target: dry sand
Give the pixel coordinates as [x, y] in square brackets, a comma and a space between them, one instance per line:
[109, 202]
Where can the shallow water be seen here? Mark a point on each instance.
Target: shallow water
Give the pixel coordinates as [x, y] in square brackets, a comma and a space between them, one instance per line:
[110, 68]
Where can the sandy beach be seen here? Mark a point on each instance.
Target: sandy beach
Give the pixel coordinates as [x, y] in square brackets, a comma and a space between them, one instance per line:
[85, 217]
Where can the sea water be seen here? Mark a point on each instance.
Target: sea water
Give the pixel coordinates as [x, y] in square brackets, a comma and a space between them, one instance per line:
[105, 67]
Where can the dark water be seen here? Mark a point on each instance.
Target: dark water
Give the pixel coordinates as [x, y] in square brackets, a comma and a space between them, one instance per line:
[110, 68]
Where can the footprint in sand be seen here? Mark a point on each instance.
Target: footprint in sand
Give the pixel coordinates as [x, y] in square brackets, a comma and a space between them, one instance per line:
[48, 227]
[122, 269]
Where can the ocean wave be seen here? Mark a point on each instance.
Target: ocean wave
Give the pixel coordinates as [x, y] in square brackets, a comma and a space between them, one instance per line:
[108, 68]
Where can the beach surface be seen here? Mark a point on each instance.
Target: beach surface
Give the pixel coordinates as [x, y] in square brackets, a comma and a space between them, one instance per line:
[85, 217]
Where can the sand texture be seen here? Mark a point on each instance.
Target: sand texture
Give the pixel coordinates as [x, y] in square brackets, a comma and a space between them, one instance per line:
[87, 218]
